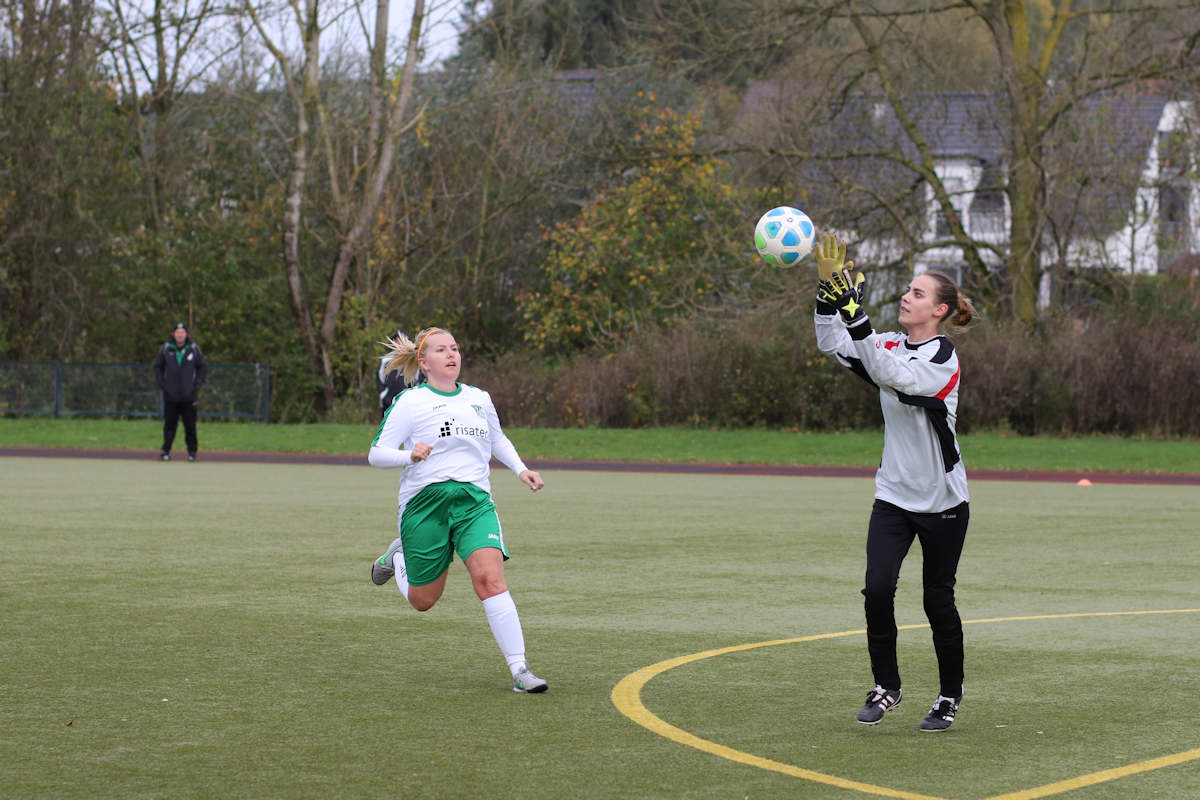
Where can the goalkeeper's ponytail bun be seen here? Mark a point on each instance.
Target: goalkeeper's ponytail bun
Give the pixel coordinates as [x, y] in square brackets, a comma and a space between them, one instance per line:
[961, 310]
[962, 313]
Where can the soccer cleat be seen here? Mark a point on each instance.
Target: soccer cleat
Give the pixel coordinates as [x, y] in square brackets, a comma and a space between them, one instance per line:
[381, 573]
[383, 568]
[941, 716]
[526, 681]
[879, 702]
[164, 456]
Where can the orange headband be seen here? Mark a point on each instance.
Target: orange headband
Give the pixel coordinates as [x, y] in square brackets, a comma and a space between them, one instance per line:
[421, 343]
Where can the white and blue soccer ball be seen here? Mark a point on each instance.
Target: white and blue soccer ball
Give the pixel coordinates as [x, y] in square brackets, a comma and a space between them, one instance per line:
[784, 236]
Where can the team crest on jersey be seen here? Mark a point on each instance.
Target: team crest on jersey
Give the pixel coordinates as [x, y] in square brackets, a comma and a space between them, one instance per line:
[478, 410]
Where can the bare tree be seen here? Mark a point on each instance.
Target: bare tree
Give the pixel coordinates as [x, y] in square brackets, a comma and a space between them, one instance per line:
[874, 68]
[355, 190]
[1047, 69]
[159, 52]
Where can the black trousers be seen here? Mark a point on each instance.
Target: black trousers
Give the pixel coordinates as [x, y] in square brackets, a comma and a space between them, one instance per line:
[889, 536]
[172, 413]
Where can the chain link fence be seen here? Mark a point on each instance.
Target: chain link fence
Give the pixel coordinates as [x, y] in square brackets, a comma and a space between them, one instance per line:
[61, 389]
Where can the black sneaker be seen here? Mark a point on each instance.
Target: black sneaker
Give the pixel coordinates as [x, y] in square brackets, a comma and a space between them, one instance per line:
[164, 456]
[879, 702]
[191, 457]
[941, 716]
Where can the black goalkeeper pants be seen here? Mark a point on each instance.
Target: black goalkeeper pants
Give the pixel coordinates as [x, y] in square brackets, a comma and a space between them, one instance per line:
[172, 413]
[889, 536]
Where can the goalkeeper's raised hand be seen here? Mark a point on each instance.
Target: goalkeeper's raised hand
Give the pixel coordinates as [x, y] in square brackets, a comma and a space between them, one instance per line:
[844, 292]
[831, 256]
[840, 288]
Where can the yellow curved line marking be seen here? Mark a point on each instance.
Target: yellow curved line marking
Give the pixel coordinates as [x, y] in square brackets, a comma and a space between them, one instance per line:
[627, 697]
[1100, 777]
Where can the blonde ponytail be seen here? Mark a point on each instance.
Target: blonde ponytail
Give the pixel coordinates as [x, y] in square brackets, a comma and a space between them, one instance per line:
[402, 354]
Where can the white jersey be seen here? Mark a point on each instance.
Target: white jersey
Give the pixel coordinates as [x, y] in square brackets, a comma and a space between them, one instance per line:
[463, 429]
[921, 469]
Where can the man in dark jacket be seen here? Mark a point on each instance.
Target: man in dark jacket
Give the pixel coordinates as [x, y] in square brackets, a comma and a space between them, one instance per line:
[180, 369]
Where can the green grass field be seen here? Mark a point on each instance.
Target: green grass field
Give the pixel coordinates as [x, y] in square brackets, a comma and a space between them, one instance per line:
[209, 631]
[982, 451]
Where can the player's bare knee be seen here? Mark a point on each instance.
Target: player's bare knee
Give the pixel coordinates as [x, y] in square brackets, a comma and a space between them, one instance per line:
[490, 585]
[422, 603]
[423, 598]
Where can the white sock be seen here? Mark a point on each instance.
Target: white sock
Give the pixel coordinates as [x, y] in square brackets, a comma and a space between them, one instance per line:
[506, 627]
[401, 576]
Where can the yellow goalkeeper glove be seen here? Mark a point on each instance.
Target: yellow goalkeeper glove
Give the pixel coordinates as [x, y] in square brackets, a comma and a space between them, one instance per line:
[844, 292]
[830, 255]
[840, 288]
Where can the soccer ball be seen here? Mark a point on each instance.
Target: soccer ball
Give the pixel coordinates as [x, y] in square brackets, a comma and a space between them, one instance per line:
[784, 236]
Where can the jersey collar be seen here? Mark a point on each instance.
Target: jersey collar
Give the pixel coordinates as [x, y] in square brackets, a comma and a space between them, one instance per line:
[918, 345]
[457, 389]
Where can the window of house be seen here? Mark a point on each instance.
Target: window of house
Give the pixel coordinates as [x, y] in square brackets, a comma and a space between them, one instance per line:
[1174, 154]
[941, 226]
[1172, 204]
[1174, 234]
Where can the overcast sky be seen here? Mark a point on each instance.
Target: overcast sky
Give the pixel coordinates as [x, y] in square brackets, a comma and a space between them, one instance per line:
[345, 20]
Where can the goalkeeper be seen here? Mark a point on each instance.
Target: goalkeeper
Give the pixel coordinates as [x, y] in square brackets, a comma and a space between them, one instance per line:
[921, 486]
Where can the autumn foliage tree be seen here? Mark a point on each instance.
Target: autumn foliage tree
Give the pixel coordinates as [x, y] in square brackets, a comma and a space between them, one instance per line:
[657, 247]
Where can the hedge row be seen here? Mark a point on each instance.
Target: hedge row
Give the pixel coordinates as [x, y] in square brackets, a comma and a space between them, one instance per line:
[1103, 374]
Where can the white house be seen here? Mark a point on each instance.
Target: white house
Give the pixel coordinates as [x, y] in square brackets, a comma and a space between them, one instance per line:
[1164, 214]
[1123, 188]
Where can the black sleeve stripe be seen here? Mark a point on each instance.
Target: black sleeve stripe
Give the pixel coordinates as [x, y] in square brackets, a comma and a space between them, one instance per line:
[856, 366]
[937, 412]
[931, 403]
[941, 429]
[945, 350]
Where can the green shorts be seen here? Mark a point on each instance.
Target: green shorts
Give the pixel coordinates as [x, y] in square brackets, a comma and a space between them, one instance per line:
[443, 518]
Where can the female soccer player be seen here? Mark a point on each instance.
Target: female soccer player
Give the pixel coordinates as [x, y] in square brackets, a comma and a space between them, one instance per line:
[921, 486]
[444, 434]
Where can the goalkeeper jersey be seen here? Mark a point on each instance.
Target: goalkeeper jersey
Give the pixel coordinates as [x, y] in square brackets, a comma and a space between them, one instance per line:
[463, 429]
[921, 469]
